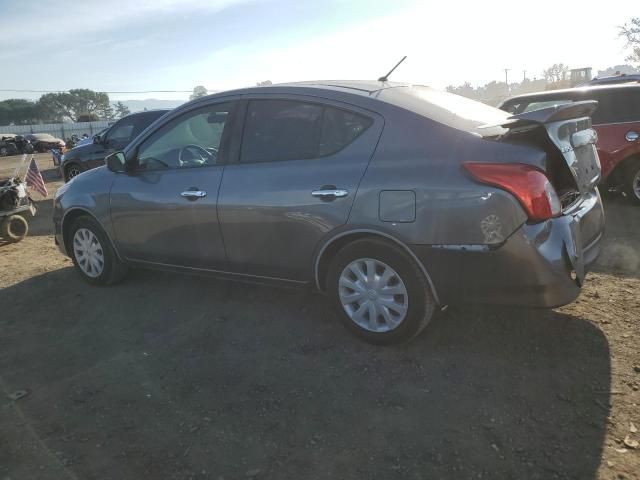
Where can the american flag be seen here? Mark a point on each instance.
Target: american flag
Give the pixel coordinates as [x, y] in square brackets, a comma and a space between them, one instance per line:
[34, 178]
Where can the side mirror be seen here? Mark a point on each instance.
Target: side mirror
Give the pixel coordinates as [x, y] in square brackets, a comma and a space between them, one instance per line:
[97, 139]
[116, 162]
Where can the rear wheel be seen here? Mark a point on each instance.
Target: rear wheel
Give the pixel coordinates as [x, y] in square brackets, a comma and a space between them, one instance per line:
[632, 182]
[71, 170]
[4, 152]
[92, 253]
[14, 228]
[379, 292]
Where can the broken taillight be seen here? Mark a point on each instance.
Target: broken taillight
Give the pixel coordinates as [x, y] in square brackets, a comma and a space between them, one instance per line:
[528, 184]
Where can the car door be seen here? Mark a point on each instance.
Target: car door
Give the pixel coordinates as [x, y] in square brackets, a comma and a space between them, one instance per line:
[164, 211]
[295, 179]
[617, 122]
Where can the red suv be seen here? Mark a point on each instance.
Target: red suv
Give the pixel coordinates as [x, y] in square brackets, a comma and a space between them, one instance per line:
[617, 121]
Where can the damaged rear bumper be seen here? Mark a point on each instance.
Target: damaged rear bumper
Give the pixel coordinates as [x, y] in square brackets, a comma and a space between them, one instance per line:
[540, 265]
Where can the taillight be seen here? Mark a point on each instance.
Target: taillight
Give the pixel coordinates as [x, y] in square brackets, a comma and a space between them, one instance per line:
[528, 184]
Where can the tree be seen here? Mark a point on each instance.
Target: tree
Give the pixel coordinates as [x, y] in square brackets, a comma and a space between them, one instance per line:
[72, 104]
[198, 92]
[121, 109]
[466, 90]
[266, 83]
[18, 111]
[556, 72]
[631, 32]
[106, 113]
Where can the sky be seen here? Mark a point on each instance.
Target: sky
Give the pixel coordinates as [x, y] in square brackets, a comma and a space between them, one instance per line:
[144, 45]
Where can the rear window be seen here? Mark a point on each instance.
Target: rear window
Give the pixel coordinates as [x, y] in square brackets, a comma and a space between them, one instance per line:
[452, 110]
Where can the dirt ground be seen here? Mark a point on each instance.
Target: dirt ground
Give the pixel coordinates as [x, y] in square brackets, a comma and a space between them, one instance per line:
[167, 376]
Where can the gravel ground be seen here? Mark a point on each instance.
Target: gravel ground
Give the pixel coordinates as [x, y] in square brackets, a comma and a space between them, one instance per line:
[178, 377]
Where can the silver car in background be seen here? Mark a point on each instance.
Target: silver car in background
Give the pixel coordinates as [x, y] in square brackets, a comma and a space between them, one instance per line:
[393, 199]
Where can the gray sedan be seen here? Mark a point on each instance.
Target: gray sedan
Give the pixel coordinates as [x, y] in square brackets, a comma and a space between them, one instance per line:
[393, 199]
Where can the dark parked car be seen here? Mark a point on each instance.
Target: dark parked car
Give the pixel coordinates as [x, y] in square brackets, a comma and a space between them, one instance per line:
[393, 199]
[43, 142]
[613, 79]
[616, 120]
[91, 155]
[8, 144]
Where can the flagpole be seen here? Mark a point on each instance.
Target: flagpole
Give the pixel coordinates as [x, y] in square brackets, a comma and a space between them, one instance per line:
[19, 167]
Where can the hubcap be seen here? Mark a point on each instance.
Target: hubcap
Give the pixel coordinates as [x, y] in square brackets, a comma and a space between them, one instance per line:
[88, 252]
[73, 172]
[636, 184]
[373, 295]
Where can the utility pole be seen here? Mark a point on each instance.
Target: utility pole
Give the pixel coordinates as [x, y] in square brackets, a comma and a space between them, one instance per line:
[506, 78]
[524, 75]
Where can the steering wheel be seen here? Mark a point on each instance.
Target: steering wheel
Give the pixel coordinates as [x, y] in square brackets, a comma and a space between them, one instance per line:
[205, 155]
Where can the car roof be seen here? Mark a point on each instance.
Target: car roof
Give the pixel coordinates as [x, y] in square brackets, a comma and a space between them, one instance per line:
[155, 110]
[573, 92]
[356, 87]
[379, 97]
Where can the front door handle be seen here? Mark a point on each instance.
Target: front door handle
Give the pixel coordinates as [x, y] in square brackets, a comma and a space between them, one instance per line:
[330, 193]
[194, 194]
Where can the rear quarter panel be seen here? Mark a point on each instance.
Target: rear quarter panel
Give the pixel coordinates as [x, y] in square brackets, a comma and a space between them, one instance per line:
[418, 155]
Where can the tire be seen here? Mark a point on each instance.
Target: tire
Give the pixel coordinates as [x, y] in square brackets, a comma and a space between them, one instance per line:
[4, 152]
[87, 233]
[14, 228]
[632, 182]
[71, 170]
[402, 271]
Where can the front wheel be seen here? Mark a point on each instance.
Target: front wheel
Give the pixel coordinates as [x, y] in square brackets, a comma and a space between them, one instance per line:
[632, 182]
[379, 292]
[71, 170]
[92, 253]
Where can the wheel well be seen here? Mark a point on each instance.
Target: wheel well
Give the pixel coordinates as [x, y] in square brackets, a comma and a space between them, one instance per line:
[67, 221]
[70, 164]
[327, 255]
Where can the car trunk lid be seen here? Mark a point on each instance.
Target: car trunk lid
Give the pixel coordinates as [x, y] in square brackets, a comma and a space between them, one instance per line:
[573, 165]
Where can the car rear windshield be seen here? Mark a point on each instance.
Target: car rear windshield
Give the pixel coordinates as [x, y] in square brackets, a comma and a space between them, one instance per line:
[452, 110]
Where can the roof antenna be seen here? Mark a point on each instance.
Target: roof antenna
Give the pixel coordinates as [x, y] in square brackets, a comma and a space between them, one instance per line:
[385, 78]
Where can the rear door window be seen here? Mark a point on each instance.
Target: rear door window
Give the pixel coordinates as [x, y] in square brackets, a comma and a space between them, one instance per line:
[617, 107]
[278, 130]
[339, 129]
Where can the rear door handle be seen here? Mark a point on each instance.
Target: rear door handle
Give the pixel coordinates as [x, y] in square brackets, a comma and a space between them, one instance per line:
[330, 193]
[194, 194]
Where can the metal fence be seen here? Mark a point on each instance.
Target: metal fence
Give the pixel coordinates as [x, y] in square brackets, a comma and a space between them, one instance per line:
[59, 130]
